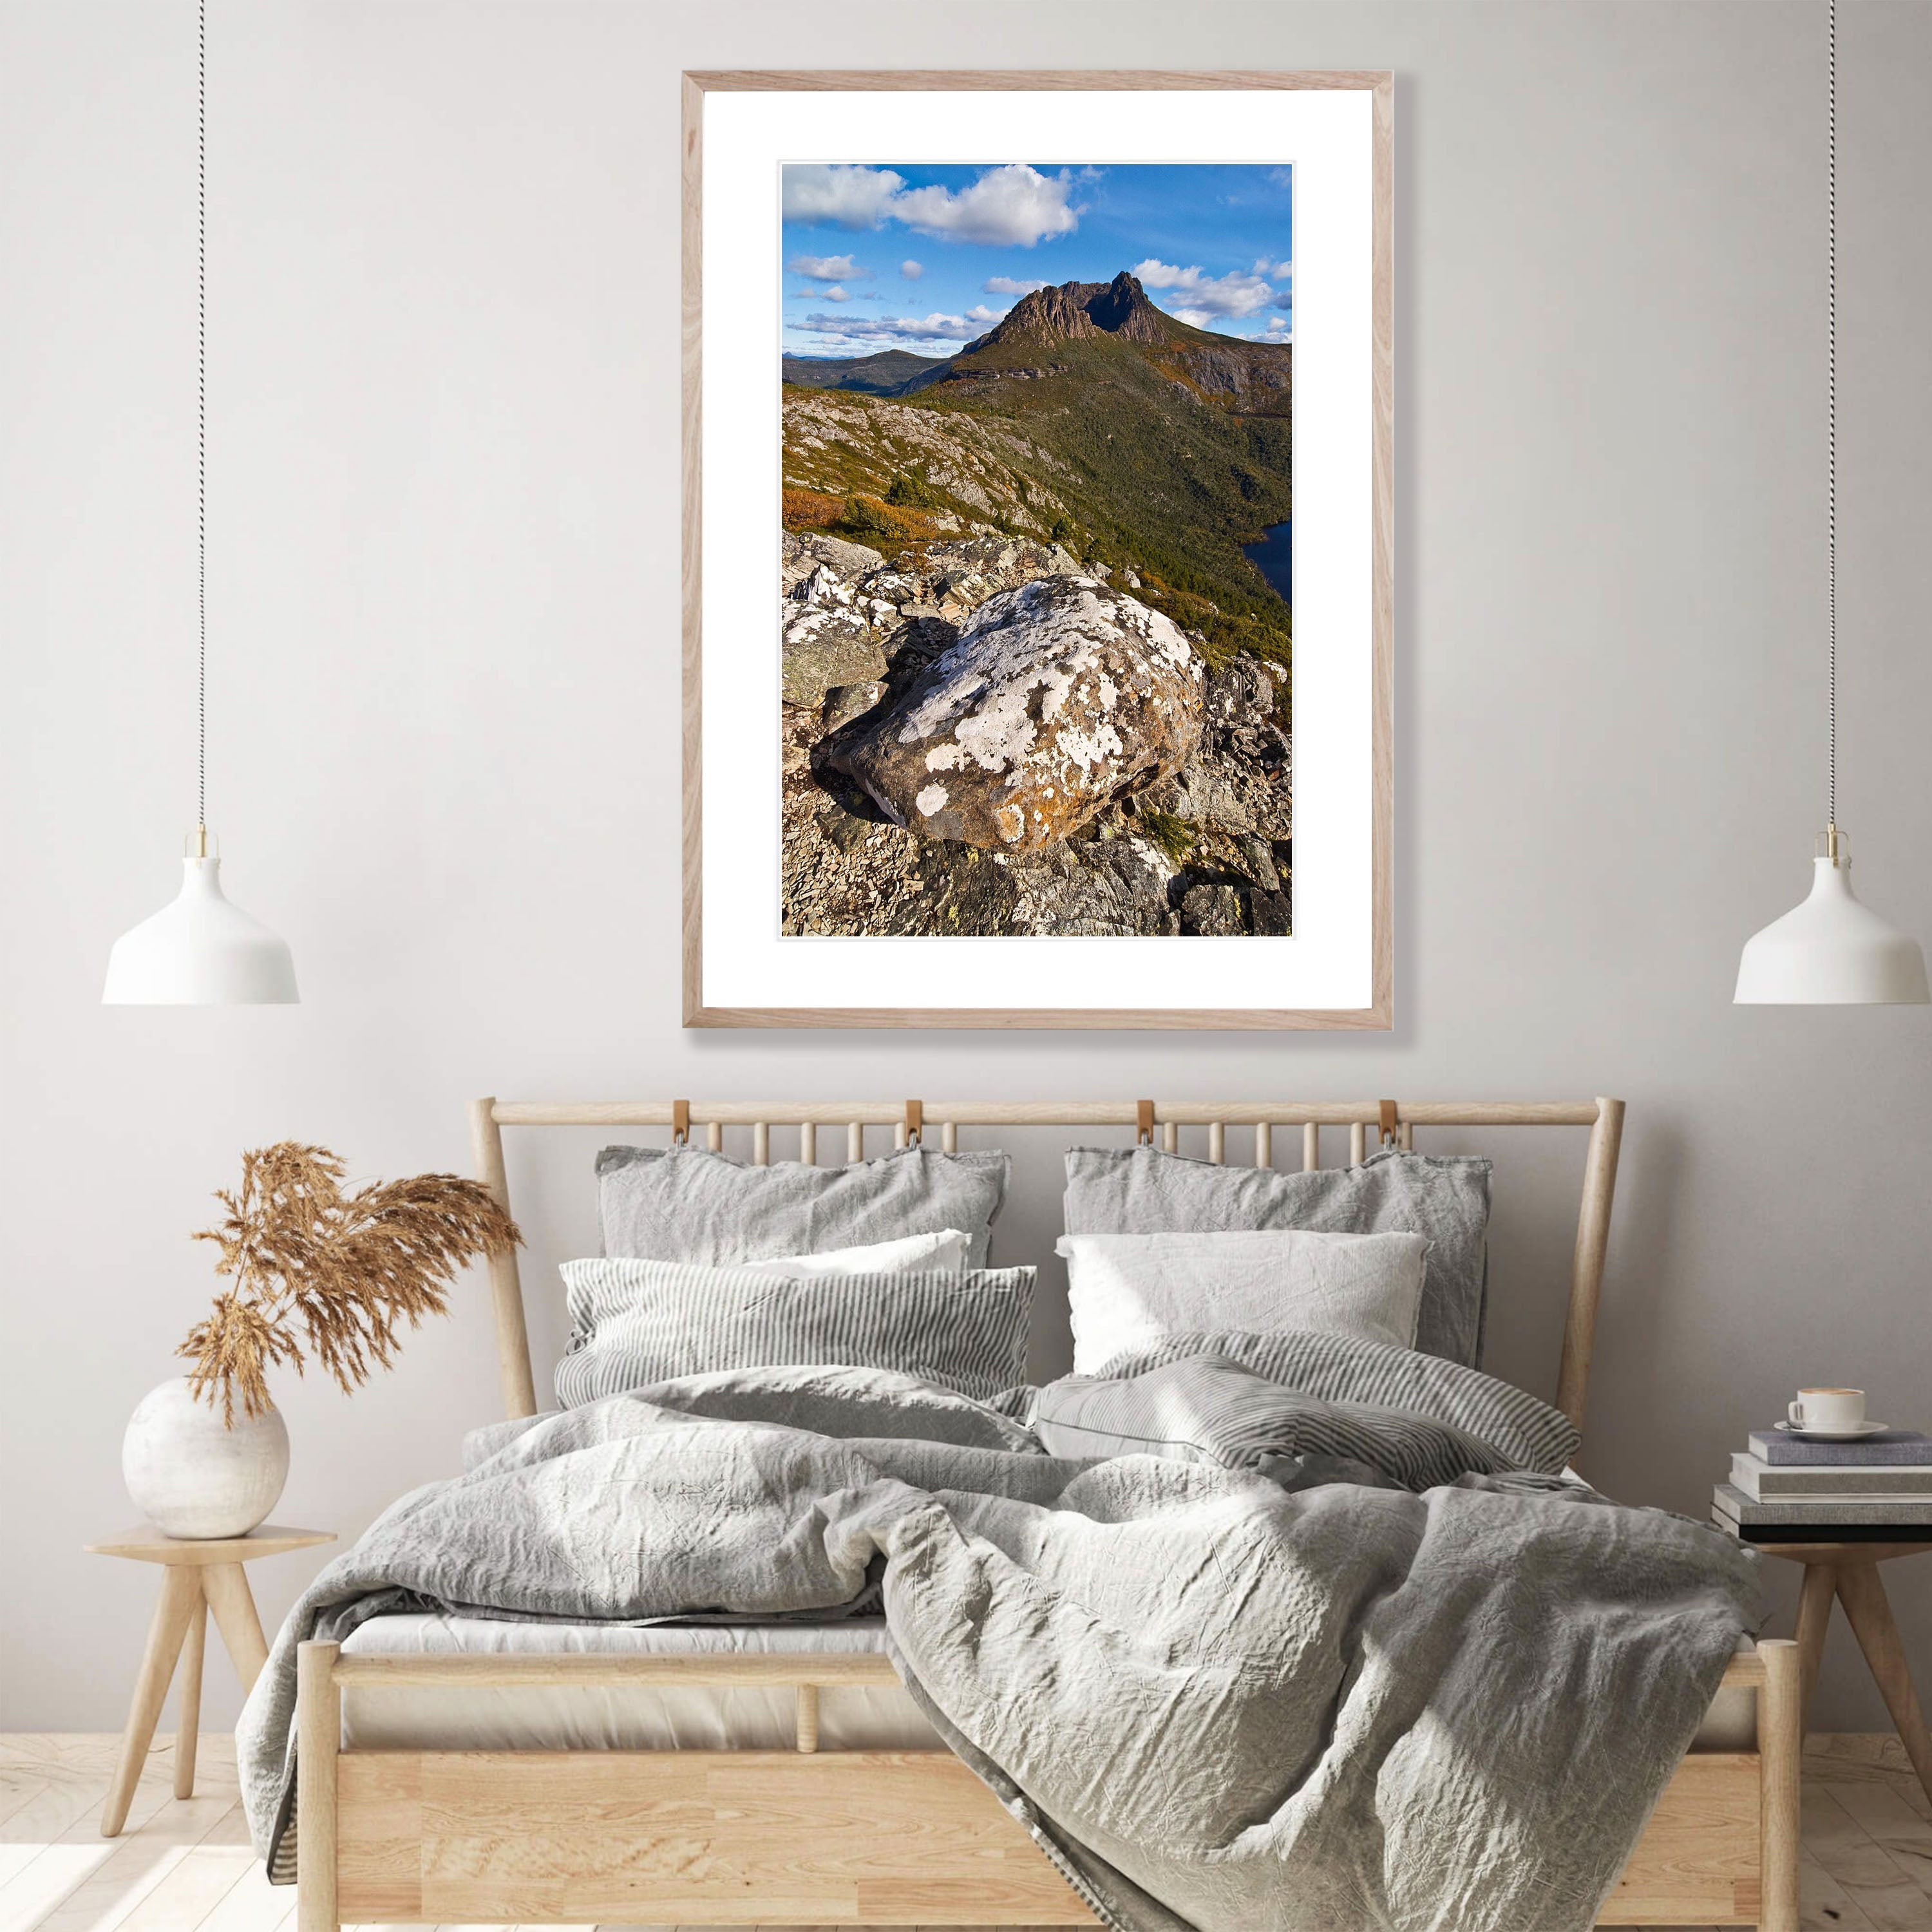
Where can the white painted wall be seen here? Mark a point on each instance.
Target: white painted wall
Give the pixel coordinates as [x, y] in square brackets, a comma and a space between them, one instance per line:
[443, 503]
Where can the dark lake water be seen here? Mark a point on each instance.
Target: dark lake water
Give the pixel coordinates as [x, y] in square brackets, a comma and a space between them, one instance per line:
[1272, 555]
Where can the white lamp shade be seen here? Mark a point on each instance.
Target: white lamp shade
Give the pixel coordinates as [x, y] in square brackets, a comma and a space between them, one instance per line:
[1830, 951]
[200, 951]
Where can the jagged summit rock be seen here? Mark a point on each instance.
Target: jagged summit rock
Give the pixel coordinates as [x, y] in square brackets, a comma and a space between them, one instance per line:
[1076, 309]
[1245, 377]
[1059, 697]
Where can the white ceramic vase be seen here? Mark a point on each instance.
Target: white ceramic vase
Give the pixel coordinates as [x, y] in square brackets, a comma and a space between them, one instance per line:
[192, 1477]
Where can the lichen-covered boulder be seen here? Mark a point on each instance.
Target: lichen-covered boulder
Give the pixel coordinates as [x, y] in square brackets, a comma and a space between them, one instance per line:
[1058, 696]
[827, 645]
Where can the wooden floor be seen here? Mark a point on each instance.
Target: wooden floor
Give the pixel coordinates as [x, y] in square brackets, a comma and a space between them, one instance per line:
[184, 1865]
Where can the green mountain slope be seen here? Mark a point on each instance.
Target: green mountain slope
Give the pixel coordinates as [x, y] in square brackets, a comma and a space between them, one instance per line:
[1138, 442]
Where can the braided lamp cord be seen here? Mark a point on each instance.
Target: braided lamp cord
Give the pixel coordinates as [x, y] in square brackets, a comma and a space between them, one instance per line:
[1832, 422]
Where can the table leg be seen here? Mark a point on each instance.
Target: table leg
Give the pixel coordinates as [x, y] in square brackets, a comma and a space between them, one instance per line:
[1862, 1593]
[1814, 1618]
[226, 1587]
[187, 1699]
[180, 1597]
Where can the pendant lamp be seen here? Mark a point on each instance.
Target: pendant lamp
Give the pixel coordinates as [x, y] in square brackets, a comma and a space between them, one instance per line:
[1830, 950]
[200, 950]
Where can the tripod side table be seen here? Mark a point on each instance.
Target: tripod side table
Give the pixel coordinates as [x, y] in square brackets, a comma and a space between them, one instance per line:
[1844, 1570]
[196, 1578]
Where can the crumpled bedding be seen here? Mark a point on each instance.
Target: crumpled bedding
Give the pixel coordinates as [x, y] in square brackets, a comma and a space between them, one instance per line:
[1218, 1698]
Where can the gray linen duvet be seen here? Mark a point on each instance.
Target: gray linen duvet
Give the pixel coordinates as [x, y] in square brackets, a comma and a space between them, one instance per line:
[1217, 1698]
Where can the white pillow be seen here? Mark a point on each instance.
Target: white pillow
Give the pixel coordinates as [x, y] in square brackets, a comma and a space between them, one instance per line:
[1128, 1290]
[943, 1252]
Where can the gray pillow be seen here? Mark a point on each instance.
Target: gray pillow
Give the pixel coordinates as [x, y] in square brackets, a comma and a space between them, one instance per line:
[634, 1323]
[686, 1204]
[1143, 1191]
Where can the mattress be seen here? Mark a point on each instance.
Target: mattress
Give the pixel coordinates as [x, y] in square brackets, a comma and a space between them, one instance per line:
[632, 1717]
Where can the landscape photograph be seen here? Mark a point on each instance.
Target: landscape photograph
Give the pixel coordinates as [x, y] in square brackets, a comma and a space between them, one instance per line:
[1035, 610]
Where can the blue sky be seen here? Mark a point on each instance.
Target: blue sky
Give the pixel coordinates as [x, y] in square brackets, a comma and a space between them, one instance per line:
[897, 256]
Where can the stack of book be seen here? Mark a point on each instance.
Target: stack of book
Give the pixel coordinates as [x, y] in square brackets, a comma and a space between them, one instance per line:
[1785, 1488]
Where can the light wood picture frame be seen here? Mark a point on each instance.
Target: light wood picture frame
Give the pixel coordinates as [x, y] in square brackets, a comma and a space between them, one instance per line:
[741, 966]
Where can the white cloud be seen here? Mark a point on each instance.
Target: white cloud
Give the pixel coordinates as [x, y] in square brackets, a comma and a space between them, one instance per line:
[1009, 285]
[1233, 294]
[979, 312]
[892, 331]
[835, 293]
[1013, 206]
[912, 271]
[1276, 271]
[828, 268]
[851, 197]
[1281, 177]
[1278, 324]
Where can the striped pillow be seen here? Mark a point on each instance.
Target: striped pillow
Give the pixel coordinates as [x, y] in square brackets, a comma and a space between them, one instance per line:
[636, 1322]
[1206, 1409]
[1524, 1432]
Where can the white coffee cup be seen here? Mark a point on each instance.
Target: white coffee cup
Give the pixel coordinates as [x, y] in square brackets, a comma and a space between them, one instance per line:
[1830, 1411]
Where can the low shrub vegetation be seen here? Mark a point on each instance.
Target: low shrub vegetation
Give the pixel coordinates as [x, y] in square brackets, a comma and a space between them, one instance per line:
[1169, 831]
[807, 510]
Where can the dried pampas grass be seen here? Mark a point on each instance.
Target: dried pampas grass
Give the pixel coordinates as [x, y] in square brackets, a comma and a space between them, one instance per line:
[336, 1272]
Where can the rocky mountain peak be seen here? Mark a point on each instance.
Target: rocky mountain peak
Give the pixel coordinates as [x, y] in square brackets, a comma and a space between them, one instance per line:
[1122, 308]
[1072, 310]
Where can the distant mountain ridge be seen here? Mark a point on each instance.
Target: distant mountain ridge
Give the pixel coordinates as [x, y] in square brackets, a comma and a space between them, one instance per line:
[892, 372]
[1250, 378]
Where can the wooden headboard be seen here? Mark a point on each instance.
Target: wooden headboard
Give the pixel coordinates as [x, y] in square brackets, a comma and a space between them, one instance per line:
[1394, 1122]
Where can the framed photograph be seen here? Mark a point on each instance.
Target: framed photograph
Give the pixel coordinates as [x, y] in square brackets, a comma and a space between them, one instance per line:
[1038, 584]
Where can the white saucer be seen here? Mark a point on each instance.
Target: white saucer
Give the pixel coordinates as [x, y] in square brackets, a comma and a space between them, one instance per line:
[1853, 1435]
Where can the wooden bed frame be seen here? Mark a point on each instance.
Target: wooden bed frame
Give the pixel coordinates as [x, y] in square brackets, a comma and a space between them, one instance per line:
[750, 1837]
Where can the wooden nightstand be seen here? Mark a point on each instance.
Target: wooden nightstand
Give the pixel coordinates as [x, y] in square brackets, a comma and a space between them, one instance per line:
[199, 1577]
[1846, 1571]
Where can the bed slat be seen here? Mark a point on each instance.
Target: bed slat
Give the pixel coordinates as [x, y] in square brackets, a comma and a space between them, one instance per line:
[1593, 1240]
